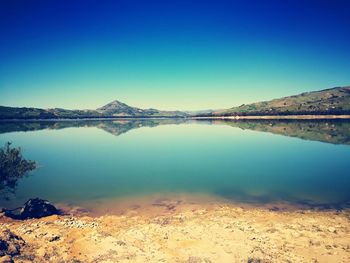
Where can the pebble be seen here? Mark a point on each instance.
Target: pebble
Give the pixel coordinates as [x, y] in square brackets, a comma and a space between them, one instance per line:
[332, 229]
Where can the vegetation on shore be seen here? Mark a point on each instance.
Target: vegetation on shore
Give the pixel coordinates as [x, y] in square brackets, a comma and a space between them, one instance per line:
[13, 166]
[334, 101]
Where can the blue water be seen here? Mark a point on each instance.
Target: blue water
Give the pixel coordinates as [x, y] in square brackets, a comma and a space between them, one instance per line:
[85, 164]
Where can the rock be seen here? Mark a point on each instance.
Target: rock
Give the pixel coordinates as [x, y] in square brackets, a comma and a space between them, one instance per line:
[54, 238]
[33, 208]
[332, 230]
[257, 260]
[6, 259]
[10, 244]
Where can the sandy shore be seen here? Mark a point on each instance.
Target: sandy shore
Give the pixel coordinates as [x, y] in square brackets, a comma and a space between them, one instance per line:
[182, 233]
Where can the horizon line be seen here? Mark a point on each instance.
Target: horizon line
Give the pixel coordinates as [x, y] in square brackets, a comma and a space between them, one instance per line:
[207, 109]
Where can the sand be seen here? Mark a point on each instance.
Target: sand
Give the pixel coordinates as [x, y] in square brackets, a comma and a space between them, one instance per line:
[181, 232]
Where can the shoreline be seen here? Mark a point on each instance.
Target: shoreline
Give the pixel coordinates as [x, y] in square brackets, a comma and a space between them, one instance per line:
[160, 203]
[215, 233]
[279, 117]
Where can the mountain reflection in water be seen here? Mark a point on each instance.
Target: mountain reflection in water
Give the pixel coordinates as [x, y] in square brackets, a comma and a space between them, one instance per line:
[329, 131]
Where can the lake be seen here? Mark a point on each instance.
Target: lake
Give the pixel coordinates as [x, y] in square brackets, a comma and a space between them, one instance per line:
[259, 162]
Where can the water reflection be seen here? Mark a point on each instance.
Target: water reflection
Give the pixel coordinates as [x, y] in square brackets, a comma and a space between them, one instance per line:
[329, 131]
[213, 157]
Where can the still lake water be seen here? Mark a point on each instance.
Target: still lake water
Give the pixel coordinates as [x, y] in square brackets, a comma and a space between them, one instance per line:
[253, 162]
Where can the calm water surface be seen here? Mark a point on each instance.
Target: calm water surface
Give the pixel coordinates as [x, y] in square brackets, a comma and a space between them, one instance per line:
[87, 161]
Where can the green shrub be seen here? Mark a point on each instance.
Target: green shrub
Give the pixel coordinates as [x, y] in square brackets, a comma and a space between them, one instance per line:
[12, 167]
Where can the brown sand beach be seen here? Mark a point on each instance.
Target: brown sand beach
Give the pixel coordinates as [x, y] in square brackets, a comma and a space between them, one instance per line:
[170, 230]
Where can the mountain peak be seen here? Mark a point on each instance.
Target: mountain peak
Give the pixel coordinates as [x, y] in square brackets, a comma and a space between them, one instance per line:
[117, 108]
[116, 104]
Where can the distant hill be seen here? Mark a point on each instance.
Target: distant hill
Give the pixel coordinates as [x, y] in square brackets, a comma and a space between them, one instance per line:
[35, 113]
[111, 110]
[119, 109]
[334, 101]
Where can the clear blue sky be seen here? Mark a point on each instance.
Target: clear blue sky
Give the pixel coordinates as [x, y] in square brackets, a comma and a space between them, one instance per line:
[169, 54]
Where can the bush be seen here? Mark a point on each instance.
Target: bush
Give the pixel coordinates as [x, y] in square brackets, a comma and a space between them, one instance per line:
[12, 167]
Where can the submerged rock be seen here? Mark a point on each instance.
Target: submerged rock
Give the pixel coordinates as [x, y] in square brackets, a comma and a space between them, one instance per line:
[33, 208]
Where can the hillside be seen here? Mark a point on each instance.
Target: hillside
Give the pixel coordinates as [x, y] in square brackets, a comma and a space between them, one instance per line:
[334, 101]
[111, 110]
[119, 109]
[35, 113]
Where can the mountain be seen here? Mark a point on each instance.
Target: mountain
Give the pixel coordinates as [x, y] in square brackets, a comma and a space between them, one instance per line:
[334, 101]
[24, 113]
[119, 109]
[111, 110]
[35, 113]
